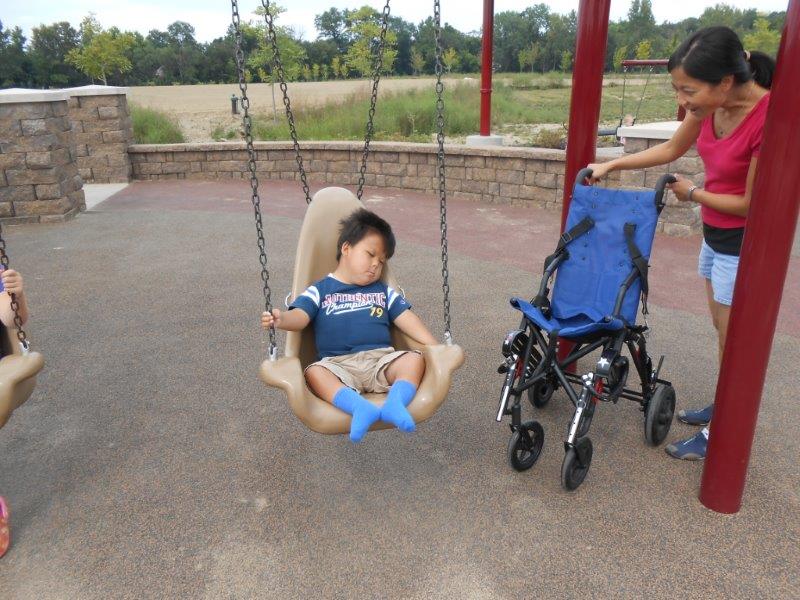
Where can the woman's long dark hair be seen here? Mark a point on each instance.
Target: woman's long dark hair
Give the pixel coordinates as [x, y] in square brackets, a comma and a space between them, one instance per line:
[715, 52]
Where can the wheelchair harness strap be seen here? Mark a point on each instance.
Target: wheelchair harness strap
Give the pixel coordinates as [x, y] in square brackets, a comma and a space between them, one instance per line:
[582, 227]
[639, 261]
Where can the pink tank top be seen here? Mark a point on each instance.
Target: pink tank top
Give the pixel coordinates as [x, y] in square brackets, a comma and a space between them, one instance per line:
[727, 160]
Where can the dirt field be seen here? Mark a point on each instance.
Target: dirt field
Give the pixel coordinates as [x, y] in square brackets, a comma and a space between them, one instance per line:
[201, 108]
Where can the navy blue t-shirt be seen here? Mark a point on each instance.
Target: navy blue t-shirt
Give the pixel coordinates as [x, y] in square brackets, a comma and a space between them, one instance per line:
[350, 318]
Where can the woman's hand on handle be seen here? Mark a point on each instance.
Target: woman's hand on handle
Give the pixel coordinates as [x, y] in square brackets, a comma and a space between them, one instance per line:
[599, 172]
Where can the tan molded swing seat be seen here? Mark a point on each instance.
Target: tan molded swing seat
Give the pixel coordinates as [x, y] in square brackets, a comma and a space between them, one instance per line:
[316, 257]
[17, 373]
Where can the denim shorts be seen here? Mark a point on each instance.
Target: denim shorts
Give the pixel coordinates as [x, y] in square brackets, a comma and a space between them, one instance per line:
[721, 270]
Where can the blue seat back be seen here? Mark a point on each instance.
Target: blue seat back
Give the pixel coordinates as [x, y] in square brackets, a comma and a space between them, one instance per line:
[588, 282]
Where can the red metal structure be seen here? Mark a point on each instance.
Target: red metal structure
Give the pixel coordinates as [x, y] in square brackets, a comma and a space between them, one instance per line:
[764, 260]
[587, 91]
[487, 46]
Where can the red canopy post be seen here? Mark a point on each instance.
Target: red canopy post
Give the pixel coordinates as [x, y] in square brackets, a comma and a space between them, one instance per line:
[486, 68]
[584, 105]
[764, 260]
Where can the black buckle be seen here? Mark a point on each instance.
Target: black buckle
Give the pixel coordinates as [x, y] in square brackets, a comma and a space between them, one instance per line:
[566, 238]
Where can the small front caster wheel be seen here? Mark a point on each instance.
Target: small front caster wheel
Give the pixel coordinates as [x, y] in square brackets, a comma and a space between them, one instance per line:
[525, 446]
[658, 418]
[576, 464]
[540, 393]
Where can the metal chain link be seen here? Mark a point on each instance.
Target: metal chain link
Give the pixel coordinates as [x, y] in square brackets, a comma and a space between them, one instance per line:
[448, 338]
[278, 67]
[251, 167]
[376, 77]
[23, 339]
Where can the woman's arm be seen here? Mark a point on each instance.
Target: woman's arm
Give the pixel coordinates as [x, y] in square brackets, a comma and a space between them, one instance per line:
[665, 153]
[412, 326]
[724, 203]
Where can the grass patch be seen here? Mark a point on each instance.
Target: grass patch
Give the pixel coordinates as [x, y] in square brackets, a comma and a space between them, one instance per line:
[411, 116]
[220, 133]
[152, 126]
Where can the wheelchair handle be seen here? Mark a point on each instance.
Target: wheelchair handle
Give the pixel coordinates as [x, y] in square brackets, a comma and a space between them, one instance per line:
[583, 175]
[663, 181]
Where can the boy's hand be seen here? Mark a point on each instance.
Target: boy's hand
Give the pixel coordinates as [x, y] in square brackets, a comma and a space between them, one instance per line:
[270, 320]
[12, 281]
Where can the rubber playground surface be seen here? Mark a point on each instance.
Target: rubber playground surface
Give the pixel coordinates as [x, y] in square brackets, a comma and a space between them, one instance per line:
[152, 463]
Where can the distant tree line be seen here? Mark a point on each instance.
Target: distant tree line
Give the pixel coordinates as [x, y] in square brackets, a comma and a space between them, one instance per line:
[535, 40]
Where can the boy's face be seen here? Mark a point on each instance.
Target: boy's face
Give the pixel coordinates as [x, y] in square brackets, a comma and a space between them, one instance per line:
[364, 261]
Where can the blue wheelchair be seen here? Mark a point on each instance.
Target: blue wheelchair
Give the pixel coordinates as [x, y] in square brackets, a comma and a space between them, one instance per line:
[600, 266]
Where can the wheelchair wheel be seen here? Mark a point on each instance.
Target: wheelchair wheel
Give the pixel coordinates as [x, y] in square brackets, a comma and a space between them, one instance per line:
[573, 470]
[540, 393]
[660, 410]
[525, 446]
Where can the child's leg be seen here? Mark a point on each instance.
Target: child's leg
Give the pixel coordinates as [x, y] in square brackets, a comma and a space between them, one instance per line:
[330, 388]
[404, 375]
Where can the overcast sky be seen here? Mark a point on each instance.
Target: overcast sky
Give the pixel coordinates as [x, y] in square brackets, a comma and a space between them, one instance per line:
[210, 18]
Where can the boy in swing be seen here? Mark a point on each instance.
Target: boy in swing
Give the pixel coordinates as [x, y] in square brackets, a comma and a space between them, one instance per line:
[352, 311]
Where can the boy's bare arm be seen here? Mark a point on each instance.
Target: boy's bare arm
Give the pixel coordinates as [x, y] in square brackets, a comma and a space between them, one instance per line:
[412, 325]
[12, 282]
[290, 320]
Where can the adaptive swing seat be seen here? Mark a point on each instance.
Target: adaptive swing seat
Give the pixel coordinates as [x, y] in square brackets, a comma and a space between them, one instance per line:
[316, 257]
[18, 371]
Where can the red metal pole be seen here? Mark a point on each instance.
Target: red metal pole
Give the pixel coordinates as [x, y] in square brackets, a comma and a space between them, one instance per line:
[764, 260]
[587, 91]
[584, 105]
[486, 70]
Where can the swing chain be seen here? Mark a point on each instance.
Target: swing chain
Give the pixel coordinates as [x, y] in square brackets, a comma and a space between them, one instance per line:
[376, 77]
[441, 168]
[278, 67]
[251, 167]
[23, 339]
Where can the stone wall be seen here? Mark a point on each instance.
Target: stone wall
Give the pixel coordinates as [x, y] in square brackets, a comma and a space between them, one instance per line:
[39, 178]
[102, 133]
[524, 176]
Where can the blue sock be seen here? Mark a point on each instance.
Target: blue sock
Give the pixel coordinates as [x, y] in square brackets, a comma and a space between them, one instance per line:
[394, 409]
[363, 411]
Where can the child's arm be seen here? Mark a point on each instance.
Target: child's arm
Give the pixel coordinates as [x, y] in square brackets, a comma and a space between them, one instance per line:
[412, 326]
[291, 320]
[12, 282]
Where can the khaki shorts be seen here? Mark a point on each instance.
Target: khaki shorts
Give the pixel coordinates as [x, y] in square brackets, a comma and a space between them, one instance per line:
[363, 371]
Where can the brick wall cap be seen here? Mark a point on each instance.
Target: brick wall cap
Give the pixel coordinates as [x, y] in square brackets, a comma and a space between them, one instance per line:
[375, 147]
[662, 130]
[96, 90]
[22, 95]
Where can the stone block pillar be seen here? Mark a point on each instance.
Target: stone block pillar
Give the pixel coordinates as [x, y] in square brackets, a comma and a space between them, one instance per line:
[102, 128]
[39, 179]
[678, 218]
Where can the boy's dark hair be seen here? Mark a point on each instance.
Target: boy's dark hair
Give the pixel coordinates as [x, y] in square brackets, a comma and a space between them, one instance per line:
[714, 52]
[360, 223]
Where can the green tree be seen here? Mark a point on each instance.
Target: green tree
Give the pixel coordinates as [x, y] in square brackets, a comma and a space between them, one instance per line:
[417, 61]
[528, 56]
[763, 38]
[48, 51]
[566, 60]
[643, 50]
[336, 67]
[15, 68]
[450, 60]
[101, 53]
[620, 54]
[365, 27]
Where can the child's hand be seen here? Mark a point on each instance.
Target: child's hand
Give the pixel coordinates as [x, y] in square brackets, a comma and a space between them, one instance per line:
[270, 320]
[12, 281]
